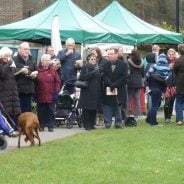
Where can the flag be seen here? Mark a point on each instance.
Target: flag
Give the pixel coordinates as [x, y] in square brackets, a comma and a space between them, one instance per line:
[55, 35]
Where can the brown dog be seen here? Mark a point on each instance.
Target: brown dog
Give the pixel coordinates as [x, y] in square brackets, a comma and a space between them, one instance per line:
[28, 124]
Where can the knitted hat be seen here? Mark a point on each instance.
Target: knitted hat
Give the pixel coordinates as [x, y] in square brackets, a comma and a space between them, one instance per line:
[162, 60]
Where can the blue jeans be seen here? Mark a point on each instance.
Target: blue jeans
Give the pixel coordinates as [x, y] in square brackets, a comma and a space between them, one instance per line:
[149, 102]
[156, 94]
[179, 107]
[109, 111]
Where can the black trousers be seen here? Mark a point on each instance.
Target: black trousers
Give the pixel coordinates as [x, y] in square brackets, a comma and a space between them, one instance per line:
[45, 112]
[168, 107]
[25, 102]
[89, 118]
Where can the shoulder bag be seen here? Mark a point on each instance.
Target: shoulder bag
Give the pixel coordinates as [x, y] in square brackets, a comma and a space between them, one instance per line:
[80, 83]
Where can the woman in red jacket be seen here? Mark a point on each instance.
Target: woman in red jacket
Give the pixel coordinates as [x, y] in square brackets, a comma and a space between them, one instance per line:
[47, 86]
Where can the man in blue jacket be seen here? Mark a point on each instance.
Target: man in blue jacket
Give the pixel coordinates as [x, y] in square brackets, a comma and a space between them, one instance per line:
[68, 58]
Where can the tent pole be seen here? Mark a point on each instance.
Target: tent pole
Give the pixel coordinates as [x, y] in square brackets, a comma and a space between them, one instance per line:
[82, 50]
[177, 16]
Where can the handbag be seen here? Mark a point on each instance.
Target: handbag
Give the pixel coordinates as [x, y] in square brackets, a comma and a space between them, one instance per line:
[130, 122]
[81, 84]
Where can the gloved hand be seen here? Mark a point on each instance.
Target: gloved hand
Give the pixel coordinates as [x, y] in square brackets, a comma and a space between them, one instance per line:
[96, 72]
[93, 72]
[112, 87]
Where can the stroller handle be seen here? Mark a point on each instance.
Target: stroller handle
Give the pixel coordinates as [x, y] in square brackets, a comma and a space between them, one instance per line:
[69, 80]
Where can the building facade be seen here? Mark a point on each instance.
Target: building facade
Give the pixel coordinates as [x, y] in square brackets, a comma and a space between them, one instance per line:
[15, 10]
[10, 11]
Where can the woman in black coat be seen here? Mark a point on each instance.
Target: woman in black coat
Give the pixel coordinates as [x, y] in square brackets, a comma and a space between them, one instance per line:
[101, 60]
[90, 96]
[8, 86]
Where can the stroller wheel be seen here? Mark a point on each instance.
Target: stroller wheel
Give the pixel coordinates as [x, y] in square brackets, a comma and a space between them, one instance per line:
[79, 121]
[58, 123]
[3, 143]
[69, 123]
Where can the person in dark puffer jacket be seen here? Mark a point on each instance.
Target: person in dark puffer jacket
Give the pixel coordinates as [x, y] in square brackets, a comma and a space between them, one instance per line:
[8, 86]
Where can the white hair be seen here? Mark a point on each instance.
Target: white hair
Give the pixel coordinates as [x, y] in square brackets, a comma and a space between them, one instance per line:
[171, 50]
[5, 51]
[24, 44]
[70, 41]
[45, 57]
[155, 48]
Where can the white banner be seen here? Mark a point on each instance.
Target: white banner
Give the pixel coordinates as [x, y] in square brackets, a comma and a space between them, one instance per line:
[55, 35]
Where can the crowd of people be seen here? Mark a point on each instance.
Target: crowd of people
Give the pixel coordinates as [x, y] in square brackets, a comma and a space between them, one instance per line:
[117, 86]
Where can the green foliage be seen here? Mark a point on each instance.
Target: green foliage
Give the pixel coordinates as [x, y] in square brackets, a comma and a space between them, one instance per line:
[145, 155]
[167, 26]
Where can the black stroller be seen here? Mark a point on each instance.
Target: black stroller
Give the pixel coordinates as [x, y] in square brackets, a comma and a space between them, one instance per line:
[67, 112]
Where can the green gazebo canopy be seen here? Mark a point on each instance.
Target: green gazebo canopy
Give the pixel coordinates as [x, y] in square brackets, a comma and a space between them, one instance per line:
[117, 16]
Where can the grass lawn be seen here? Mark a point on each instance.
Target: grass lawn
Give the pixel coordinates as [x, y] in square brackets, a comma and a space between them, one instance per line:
[142, 155]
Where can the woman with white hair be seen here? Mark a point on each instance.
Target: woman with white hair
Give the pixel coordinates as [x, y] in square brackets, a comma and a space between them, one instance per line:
[8, 85]
[47, 86]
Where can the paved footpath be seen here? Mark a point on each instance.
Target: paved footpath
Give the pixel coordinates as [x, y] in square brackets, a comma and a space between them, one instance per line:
[45, 137]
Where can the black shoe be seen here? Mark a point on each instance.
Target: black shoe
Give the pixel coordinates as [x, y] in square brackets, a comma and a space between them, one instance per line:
[87, 128]
[51, 130]
[93, 127]
[147, 121]
[13, 134]
[117, 126]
